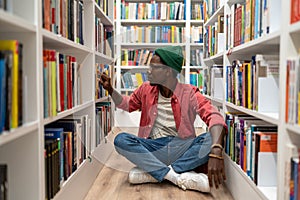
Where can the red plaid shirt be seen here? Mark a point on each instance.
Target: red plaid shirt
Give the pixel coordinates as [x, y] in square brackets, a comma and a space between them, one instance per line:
[186, 103]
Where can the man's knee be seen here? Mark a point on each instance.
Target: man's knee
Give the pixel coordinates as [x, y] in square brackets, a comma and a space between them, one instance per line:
[120, 139]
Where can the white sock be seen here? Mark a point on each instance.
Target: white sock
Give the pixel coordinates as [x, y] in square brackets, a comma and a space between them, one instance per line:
[172, 175]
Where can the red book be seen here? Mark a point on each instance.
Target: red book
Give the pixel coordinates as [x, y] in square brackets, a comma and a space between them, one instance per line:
[61, 82]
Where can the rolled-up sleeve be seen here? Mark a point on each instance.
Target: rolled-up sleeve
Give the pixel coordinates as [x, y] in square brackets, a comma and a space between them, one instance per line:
[208, 113]
[132, 102]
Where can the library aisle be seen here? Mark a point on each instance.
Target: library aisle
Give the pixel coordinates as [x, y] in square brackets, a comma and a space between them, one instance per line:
[111, 183]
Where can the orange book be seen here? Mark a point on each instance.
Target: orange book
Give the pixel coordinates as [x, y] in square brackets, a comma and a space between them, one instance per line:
[47, 11]
[266, 141]
[295, 11]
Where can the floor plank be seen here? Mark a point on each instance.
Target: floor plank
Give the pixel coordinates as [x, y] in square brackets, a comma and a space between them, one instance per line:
[112, 184]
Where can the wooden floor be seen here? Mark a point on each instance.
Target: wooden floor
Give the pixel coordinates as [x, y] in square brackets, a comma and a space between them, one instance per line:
[112, 184]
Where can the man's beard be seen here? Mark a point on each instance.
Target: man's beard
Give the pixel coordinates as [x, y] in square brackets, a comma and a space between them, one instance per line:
[154, 84]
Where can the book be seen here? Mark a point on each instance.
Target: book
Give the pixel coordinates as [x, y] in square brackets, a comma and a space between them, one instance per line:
[291, 152]
[45, 82]
[265, 158]
[3, 91]
[57, 133]
[83, 136]
[69, 126]
[3, 182]
[20, 84]
[52, 167]
[13, 45]
[8, 89]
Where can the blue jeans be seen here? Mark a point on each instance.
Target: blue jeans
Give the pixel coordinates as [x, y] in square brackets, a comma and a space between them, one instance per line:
[155, 155]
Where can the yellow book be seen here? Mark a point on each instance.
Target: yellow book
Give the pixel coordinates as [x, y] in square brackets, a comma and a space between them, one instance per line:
[139, 78]
[173, 34]
[248, 21]
[53, 82]
[12, 45]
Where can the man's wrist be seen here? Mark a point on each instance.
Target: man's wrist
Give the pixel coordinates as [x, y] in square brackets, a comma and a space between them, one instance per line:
[217, 151]
[110, 90]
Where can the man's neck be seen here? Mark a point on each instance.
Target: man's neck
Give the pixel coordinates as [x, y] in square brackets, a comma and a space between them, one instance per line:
[167, 91]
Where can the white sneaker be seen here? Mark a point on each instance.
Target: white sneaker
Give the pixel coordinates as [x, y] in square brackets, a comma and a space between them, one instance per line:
[193, 181]
[137, 176]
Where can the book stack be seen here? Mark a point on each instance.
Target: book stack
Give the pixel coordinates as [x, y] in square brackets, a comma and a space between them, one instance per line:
[67, 145]
[251, 20]
[248, 83]
[103, 121]
[292, 115]
[153, 34]
[160, 10]
[252, 144]
[64, 18]
[61, 82]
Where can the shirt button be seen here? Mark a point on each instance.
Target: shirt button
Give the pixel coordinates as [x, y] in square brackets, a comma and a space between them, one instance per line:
[154, 113]
[149, 126]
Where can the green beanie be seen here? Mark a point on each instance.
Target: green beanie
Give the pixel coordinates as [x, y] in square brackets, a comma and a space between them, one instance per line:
[171, 56]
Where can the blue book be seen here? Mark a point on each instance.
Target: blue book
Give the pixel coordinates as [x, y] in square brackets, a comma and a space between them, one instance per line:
[3, 91]
[69, 126]
[45, 81]
[58, 134]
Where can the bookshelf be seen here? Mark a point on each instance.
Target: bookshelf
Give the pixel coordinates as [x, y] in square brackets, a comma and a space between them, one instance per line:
[283, 41]
[22, 148]
[186, 24]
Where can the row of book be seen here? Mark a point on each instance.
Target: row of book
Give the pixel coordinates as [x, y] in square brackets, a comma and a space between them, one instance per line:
[153, 34]
[253, 83]
[213, 82]
[3, 182]
[252, 144]
[292, 109]
[142, 57]
[196, 79]
[161, 10]
[67, 145]
[197, 11]
[251, 20]
[62, 82]
[103, 121]
[211, 6]
[196, 57]
[103, 38]
[99, 90]
[131, 80]
[196, 34]
[214, 38]
[11, 84]
[103, 4]
[64, 18]
[136, 57]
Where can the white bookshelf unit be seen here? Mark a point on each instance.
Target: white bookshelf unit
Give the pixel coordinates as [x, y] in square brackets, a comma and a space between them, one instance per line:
[22, 148]
[187, 45]
[283, 40]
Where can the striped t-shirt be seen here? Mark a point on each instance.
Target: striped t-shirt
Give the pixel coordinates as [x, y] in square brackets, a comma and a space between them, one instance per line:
[164, 124]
